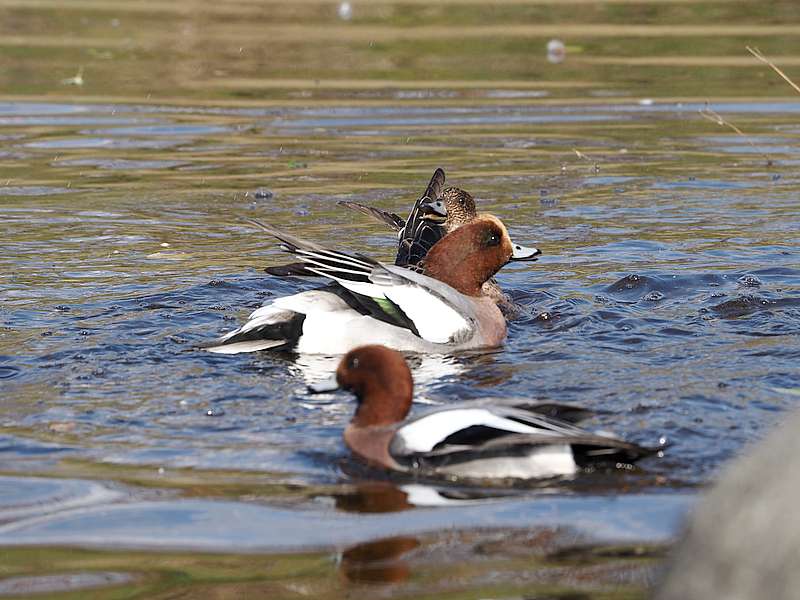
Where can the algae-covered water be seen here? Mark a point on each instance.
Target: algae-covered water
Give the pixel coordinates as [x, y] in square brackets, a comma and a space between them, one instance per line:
[136, 138]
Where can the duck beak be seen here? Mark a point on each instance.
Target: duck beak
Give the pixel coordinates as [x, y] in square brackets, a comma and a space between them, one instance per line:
[522, 253]
[433, 210]
[326, 385]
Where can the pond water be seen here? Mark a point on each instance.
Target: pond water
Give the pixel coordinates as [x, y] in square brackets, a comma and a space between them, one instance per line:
[135, 141]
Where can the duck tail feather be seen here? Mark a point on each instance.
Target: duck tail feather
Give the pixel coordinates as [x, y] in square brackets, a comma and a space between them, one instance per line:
[275, 330]
[394, 221]
[291, 243]
[436, 185]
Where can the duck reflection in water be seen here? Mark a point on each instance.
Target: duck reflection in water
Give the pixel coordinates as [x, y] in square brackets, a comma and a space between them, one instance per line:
[386, 560]
[379, 561]
[428, 369]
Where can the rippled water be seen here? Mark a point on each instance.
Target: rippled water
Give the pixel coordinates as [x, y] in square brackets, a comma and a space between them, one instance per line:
[667, 298]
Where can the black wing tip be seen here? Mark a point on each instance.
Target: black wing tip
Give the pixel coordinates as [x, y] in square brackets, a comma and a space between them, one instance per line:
[394, 221]
[290, 270]
[282, 237]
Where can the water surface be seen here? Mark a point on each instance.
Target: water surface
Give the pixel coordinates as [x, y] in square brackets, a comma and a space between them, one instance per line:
[667, 298]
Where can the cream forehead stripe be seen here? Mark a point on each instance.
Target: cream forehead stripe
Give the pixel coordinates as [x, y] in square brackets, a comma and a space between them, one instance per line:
[493, 219]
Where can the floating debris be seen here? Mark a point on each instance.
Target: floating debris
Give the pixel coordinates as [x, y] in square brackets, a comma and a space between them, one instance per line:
[262, 194]
[556, 51]
[77, 79]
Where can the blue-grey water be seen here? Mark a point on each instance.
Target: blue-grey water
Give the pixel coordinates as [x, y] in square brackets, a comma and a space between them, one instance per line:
[667, 297]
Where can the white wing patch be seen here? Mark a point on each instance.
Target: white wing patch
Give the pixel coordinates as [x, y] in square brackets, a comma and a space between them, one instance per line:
[424, 433]
[312, 301]
[435, 320]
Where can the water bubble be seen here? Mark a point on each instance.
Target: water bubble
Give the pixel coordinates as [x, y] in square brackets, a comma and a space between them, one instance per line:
[215, 412]
[653, 296]
[749, 281]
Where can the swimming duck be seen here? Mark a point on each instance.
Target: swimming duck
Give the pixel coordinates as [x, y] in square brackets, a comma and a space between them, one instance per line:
[417, 237]
[457, 205]
[439, 310]
[478, 441]
[428, 222]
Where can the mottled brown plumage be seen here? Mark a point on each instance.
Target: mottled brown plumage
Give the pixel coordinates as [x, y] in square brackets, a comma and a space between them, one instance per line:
[460, 207]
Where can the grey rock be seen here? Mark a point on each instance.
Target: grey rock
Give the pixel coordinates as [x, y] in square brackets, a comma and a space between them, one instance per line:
[743, 541]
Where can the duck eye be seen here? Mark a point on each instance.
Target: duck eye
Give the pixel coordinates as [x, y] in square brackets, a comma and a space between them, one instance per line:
[353, 363]
[492, 239]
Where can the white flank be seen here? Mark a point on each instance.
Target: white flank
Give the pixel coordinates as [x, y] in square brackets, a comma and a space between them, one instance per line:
[422, 434]
[542, 461]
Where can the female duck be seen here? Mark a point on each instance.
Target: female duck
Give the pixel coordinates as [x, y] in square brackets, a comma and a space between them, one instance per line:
[427, 224]
[431, 217]
[439, 310]
[506, 440]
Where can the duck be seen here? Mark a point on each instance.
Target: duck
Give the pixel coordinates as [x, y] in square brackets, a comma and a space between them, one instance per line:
[426, 224]
[437, 212]
[430, 219]
[415, 240]
[484, 440]
[439, 310]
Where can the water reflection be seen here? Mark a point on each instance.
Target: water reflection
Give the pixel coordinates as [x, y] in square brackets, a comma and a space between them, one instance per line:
[318, 102]
[374, 497]
[386, 496]
[381, 561]
[428, 370]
